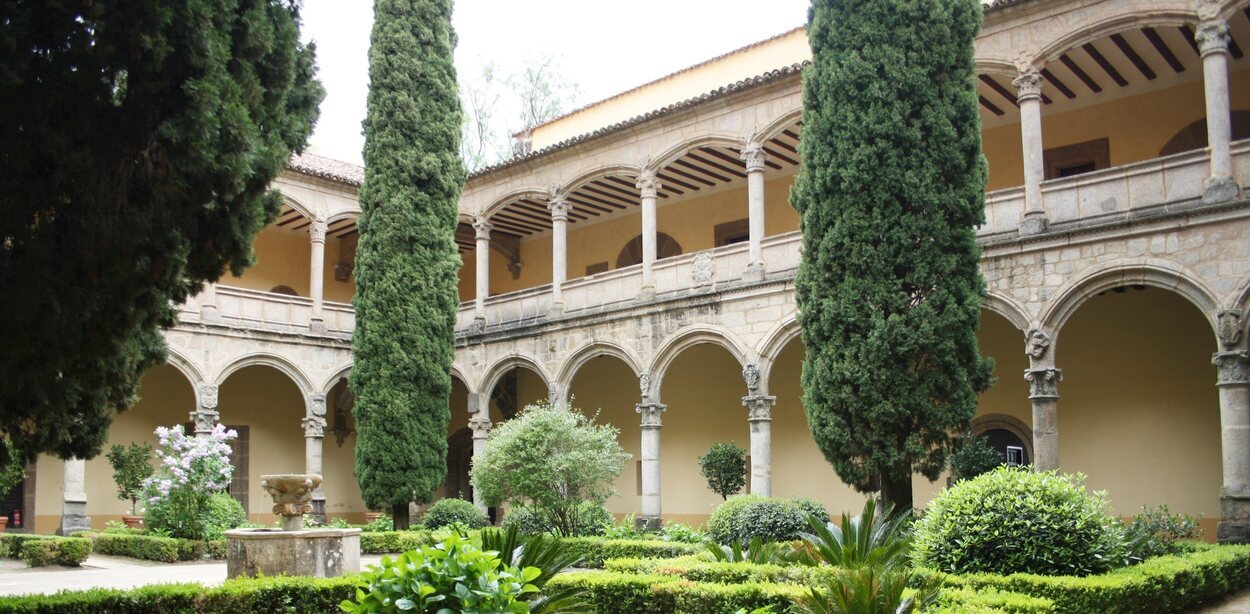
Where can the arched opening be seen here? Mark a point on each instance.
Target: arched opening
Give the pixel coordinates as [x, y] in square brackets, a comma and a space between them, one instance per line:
[338, 452]
[631, 254]
[606, 389]
[1137, 379]
[284, 290]
[265, 407]
[459, 444]
[1194, 136]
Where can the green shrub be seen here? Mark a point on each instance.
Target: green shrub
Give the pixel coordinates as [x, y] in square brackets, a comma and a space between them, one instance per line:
[131, 466]
[725, 469]
[526, 520]
[625, 528]
[974, 456]
[590, 519]
[684, 533]
[744, 517]
[223, 513]
[240, 596]
[380, 524]
[68, 551]
[964, 601]
[1015, 520]
[593, 551]
[1157, 531]
[390, 542]
[446, 512]
[145, 547]
[1170, 583]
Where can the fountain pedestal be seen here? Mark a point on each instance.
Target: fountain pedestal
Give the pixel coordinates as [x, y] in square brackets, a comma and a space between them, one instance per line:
[292, 550]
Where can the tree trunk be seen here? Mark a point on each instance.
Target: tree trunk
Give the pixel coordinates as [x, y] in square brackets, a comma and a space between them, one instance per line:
[399, 514]
[896, 493]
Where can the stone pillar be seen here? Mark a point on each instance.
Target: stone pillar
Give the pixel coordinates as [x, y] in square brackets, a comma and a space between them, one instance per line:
[480, 424]
[314, 438]
[649, 185]
[753, 155]
[1029, 95]
[316, 281]
[1212, 38]
[651, 423]
[208, 304]
[205, 416]
[482, 255]
[1233, 368]
[74, 503]
[760, 416]
[1043, 380]
[559, 207]
[557, 393]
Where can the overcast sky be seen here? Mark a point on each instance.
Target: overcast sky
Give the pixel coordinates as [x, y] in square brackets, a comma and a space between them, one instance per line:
[604, 47]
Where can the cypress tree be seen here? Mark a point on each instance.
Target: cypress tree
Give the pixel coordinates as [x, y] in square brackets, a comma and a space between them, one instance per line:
[138, 142]
[890, 192]
[407, 263]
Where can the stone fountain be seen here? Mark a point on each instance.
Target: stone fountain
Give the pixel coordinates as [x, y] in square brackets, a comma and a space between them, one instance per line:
[292, 550]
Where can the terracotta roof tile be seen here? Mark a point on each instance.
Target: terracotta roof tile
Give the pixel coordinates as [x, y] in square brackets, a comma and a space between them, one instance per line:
[327, 168]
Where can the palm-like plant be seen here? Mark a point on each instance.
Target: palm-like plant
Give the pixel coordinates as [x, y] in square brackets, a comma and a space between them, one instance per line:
[544, 553]
[868, 590]
[757, 551]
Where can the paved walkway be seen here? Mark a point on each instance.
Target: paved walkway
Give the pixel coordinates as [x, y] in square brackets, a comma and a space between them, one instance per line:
[100, 571]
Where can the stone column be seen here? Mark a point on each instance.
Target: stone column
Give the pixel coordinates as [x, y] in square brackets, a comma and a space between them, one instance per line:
[1233, 368]
[1029, 95]
[559, 207]
[205, 416]
[316, 282]
[314, 438]
[1212, 38]
[74, 503]
[753, 155]
[1043, 380]
[482, 255]
[557, 393]
[649, 185]
[650, 410]
[480, 424]
[760, 416]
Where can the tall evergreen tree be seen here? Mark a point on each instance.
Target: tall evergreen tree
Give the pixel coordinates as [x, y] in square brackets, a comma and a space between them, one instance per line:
[138, 141]
[407, 263]
[891, 189]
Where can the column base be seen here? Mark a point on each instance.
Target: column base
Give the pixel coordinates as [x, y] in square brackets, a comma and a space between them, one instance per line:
[647, 523]
[1234, 527]
[647, 293]
[1220, 190]
[317, 325]
[1033, 223]
[754, 272]
[74, 517]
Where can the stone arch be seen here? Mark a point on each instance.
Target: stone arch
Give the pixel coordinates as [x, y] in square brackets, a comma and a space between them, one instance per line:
[343, 215]
[1008, 309]
[688, 337]
[774, 344]
[458, 373]
[995, 66]
[505, 200]
[507, 363]
[773, 128]
[668, 156]
[599, 172]
[179, 361]
[1011, 424]
[1194, 136]
[1149, 272]
[1132, 17]
[297, 375]
[339, 373]
[303, 209]
[591, 351]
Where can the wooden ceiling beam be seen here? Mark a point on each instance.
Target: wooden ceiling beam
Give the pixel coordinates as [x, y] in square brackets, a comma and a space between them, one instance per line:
[700, 169]
[725, 169]
[1059, 85]
[1165, 52]
[1080, 73]
[1133, 57]
[999, 89]
[989, 106]
[667, 179]
[1102, 63]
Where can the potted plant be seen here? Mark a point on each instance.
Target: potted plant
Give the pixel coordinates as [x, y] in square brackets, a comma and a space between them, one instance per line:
[11, 473]
[131, 466]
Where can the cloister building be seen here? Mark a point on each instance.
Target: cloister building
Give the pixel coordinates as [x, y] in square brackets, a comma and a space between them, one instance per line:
[637, 259]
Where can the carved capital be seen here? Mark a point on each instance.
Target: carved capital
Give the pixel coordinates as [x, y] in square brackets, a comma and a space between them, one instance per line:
[314, 426]
[1028, 86]
[481, 229]
[480, 425]
[1212, 37]
[204, 420]
[1230, 328]
[1208, 10]
[1043, 383]
[559, 207]
[1233, 368]
[650, 413]
[317, 230]
[751, 374]
[648, 184]
[753, 156]
[1037, 344]
[208, 396]
[759, 407]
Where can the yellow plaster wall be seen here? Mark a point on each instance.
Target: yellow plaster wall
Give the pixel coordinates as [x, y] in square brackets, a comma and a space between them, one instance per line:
[338, 466]
[606, 388]
[282, 259]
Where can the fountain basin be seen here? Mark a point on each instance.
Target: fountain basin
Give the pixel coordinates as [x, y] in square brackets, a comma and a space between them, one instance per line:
[320, 553]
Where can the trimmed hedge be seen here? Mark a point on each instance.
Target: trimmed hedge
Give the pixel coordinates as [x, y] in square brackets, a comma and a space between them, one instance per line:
[595, 550]
[699, 569]
[1174, 583]
[390, 542]
[243, 596]
[69, 551]
[156, 548]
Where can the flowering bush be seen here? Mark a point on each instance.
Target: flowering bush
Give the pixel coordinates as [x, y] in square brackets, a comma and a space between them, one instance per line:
[189, 471]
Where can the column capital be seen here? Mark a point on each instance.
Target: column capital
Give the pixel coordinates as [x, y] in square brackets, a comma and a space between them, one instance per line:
[1233, 368]
[754, 157]
[558, 204]
[317, 230]
[650, 413]
[314, 427]
[1212, 37]
[480, 425]
[481, 229]
[1044, 382]
[759, 407]
[1028, 85]
[648, 184]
